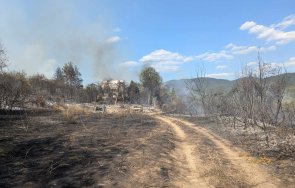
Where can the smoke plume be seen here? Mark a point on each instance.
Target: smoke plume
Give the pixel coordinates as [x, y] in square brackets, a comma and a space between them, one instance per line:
[40, 36]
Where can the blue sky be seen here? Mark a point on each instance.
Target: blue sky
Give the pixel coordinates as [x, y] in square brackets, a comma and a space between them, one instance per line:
[115, 39]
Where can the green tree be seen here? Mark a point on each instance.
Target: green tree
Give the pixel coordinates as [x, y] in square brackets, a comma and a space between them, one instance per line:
[92, 92]
[163, 96]
[150, 80]
[72, 77]
[133, 92]
[58, 75]
[59, 81]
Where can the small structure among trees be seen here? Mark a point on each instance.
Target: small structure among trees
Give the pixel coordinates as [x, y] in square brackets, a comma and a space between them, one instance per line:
[113, 91]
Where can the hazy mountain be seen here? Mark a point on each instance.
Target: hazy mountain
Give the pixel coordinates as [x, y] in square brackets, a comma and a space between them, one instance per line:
[218, 84]
[291, 79]
[213, 84]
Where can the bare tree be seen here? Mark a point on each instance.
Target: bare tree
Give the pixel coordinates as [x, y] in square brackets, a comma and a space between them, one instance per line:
[277, 91]
[3, 58]
[289, 112]
[258, 96]
[198, 88]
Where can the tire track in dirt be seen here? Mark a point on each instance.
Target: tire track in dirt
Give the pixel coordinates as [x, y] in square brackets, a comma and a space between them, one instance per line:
[255, 175]
[190, 166]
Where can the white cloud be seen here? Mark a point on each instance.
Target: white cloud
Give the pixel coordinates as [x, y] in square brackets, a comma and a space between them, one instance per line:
[165, 61]
[251, 63]
[269, 48]
[220, 75]
[220, 67]
[165, 56]
[113, 39]
[247, 25]
[211, 57]
[232, 46]
[162, 60]
[288, 21]
[230, 51]
[274, 32]
[290, 62]
[129, 64]
[237, 50]
[246, 50]
[165, 68]
[188, 59]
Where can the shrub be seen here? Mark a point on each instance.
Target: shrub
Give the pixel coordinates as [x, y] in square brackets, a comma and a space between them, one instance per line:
[40, 101]
[15, 89]
[71, 113]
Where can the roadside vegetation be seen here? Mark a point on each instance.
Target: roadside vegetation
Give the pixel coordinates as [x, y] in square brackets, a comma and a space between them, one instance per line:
[256, 101]
[254, 114]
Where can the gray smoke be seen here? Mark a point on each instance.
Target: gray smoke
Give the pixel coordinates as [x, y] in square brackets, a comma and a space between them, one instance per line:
[51, 33]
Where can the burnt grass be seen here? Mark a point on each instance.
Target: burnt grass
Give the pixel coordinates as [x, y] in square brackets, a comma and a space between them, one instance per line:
[43, 150]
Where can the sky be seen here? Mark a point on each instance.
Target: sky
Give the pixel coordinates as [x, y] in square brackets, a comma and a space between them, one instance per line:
[117, 38]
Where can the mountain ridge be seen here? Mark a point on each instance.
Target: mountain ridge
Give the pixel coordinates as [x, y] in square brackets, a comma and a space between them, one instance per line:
[216, 84]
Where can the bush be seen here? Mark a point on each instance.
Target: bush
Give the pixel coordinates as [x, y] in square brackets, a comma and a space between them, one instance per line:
[40, 101]
[15, 89]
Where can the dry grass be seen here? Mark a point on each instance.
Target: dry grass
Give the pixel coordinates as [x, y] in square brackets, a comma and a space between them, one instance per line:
[257, 160]
[219, 176]
[58, 107]
[71, 113]
[261, 160]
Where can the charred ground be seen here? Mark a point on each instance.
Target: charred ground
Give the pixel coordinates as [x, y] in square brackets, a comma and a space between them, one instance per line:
[97, 150]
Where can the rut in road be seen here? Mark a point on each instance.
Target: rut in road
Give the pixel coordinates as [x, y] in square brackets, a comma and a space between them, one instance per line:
[255, 176]
[189, 163]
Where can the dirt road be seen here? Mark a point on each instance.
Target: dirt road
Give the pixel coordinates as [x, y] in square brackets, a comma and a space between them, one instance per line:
[189, 164]
[207, 160]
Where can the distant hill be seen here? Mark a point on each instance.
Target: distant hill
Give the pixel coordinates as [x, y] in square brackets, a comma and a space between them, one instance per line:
[213, 84]
[291, 79]
[219, 84]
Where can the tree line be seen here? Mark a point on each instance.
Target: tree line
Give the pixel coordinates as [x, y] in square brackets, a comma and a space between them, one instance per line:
[18, 89]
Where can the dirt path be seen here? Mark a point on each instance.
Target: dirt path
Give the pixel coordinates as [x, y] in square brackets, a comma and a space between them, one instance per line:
[253, 175]
[187, 160]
